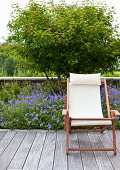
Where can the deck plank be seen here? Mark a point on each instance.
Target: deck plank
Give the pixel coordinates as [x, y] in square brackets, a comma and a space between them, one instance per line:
[60, 160]
[117, 138]
[10, 151]
[2, 134]
[35, 152]
[88, 157]
[6, 140]
[74, 157]
[101, 156]
[107, 142]
[21, 155]
[47, 157]
[14, 169]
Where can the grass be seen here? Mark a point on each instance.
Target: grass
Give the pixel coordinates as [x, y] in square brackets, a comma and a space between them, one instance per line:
[114, 74]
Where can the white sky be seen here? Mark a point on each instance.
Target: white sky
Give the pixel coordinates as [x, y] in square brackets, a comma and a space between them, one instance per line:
[5, 10]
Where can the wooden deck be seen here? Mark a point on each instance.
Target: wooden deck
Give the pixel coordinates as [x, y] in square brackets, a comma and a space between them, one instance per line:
[43, 150]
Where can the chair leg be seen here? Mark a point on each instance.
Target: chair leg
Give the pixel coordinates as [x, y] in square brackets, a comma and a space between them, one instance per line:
[114, 136]
[104, 128]
[67, 136]
[65, 123]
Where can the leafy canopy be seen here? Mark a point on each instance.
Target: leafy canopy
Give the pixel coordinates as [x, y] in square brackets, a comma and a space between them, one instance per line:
[65, 38]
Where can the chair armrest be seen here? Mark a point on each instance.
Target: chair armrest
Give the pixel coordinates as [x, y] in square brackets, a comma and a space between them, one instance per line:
[64, 112]
[115, 113]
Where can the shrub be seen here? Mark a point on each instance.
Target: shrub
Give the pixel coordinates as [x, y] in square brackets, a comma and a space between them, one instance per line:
[9, 66]
[32, 108]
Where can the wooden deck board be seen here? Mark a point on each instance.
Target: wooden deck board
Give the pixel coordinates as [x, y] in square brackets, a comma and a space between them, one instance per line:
[33, 158]
[22, 153]
[10, 151]
[117, 139]
[60, 159]
[101, 156]
[2, 134]
[47, 157]
[6, 140]
[88, 157]
[107, 142]
[74, 158]
[43, 150]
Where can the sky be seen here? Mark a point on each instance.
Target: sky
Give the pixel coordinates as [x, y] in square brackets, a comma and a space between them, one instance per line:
[6, 9]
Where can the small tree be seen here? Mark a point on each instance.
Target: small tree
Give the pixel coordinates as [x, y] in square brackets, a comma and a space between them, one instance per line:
[65, 38]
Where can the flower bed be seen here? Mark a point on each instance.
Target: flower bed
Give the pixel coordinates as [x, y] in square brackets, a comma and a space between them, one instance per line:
[30, 107]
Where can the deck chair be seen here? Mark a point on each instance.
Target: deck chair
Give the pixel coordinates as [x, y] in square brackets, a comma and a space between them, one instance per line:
[83, 108]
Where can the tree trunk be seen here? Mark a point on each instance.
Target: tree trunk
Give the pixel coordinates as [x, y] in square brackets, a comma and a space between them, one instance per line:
[60, 84]
[49, 82]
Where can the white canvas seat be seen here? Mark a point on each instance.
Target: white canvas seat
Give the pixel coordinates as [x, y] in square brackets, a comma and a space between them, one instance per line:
[85, 102]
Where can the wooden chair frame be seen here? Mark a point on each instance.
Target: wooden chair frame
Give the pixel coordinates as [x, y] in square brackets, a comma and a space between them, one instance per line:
[111, 116]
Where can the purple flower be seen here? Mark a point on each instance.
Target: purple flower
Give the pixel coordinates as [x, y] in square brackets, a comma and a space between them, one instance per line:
[49, 126]
[2, 102]
[117, 117]
[41, 124]
[44, 111]
[35, 118]
[53, 117]
[26, 114]
[2, 123]
[9, 101]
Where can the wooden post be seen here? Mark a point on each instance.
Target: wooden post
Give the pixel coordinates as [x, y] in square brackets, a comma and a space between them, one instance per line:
[114, 136]
[107, 99]
[67, 135]
[65, 108]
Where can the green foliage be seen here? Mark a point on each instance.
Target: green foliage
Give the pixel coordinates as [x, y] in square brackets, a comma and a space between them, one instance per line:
[114, 74]
[9, 66]
[30, 107]
[65, 38]
[9, 90]
[2, 60]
